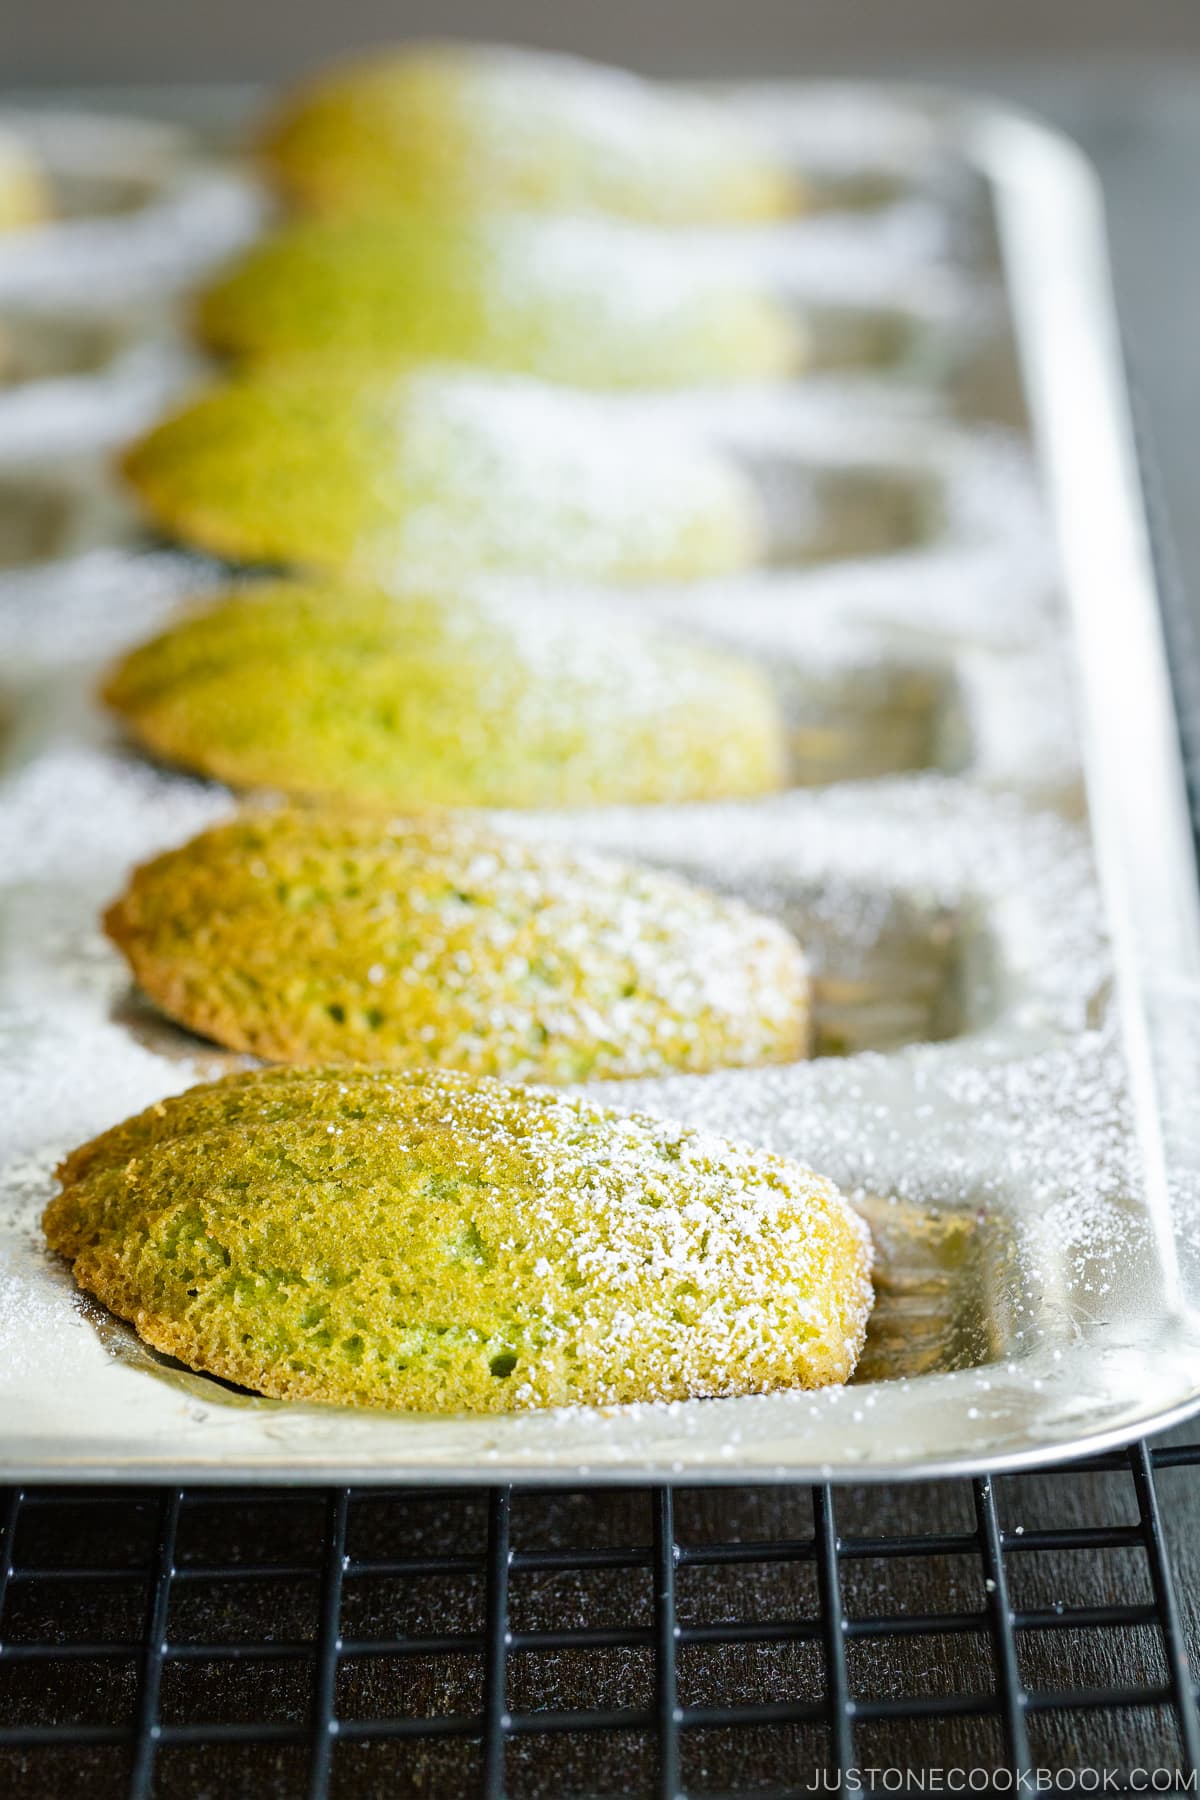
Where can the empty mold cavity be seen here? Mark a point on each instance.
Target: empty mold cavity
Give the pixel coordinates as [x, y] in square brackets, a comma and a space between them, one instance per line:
[35, 519]
[861, 337]
[967, 360]
[824, 513]
[41, 347]
[946, 1285]
[987, 383]
[852, 189]
[886, 969]
[50, 513]
[856, 724]
[82, 193]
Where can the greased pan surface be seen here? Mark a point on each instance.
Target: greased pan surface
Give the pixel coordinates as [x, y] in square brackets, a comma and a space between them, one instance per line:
[1010, 977]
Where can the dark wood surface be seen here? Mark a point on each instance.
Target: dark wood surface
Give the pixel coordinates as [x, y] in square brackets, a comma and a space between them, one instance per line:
[932, 1666]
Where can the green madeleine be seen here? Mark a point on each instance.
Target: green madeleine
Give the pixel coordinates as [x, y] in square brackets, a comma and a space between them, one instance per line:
[414, 701]
[441, 1243]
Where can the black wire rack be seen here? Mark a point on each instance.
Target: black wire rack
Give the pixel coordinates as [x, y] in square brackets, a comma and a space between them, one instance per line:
[664, 1642]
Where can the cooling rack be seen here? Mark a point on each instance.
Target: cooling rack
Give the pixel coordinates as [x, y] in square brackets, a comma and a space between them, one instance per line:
[664, 1642]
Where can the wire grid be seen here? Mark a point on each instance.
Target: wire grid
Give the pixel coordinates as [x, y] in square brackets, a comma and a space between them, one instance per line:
[425, 1669]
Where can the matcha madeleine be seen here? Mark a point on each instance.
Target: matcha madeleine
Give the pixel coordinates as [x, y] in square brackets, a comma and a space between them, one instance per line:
[400, 476]
[581, 301]
[442, 1242]
[316, 936]
[461, 125]
[414, 701]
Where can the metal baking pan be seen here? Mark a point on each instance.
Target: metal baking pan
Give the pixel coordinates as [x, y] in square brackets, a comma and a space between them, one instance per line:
[137, 209]
[1006, 975]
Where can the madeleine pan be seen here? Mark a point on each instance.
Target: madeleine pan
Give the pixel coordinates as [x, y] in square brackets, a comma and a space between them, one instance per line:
[985, 849]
